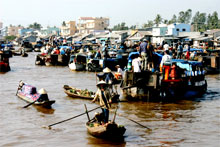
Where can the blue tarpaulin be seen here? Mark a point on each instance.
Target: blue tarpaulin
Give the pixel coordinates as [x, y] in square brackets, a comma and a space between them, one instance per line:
[193, 49]
[65, 47]
[8, 45]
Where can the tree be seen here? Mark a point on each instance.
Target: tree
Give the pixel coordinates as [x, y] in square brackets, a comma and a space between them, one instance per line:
[35, 25]
[10, 38]
[165, 21]
[149, 24]
[199, 21]
[185, 17]
[173, 20]
[64, 23]
[133, 27]
[158, 20]
[120, 26]
[188, 16]
[181, 17]
[215, 20]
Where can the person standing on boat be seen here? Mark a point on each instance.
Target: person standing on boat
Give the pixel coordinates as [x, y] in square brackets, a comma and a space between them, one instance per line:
[166, 59]
[143, 53]
[104, 97]
[109, 78]
[179, 51]
[136, 64]
[188, 52]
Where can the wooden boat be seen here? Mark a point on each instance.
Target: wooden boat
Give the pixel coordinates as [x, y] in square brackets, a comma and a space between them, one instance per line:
[4, 61]
[78, 93]
[78, 62]
[109, 130]
[85, 94]
[29, 94]
[181, 79]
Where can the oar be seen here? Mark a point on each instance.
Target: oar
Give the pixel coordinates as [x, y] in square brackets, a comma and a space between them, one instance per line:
[134, 121]
[30, 104]
[74, 117]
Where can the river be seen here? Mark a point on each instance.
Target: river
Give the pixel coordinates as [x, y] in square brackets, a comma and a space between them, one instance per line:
[182, 123]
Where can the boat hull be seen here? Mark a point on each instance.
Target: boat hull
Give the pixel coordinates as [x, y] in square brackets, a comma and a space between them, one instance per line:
[109, 131]
[46, 104]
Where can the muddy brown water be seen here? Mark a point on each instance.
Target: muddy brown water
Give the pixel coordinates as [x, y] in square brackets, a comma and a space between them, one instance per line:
[181, 123]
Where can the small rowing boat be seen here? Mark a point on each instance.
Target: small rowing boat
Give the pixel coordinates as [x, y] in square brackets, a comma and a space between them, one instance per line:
[29, 94]
[85, 94]
[109, 130]
[78, 93]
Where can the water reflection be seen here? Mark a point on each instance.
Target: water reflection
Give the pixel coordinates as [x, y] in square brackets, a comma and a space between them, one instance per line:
[44, 110]
[178, 123]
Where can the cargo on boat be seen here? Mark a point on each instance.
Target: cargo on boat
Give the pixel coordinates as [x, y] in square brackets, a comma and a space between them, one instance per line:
[29, 94]
[180, 79]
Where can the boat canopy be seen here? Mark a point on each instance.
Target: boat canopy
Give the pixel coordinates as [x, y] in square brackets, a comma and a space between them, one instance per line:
[28, 89]
[188, 65]
[132, 55]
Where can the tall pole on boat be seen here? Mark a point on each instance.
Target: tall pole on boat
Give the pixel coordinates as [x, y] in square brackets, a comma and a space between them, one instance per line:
[87, 112]
[115, 114]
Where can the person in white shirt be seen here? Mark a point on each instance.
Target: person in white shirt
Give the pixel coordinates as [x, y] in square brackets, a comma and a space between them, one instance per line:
[119, 70]
[136, 64]
[166, 46]
[166, 58]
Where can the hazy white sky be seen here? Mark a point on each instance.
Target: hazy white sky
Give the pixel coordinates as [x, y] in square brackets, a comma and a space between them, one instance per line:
[133, 12]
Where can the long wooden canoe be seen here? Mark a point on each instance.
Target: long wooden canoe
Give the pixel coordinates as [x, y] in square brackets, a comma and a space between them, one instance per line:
[29, 94]
[75, 93]
[46, 104]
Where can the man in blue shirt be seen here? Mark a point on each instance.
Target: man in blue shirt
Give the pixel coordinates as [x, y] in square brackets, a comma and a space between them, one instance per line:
[143, 53]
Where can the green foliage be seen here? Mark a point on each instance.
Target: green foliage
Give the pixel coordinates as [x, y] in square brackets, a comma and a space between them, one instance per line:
[10, 38]
[173, 20]
[185, 17]
[149, 24]
[158, 20]
[120, 26]
[199, 21]
[64, 23]
[133, 27]
[35, 25]
[213, 21]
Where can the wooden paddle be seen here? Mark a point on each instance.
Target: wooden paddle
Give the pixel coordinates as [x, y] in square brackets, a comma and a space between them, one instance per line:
[134, 121]
[30, 104]
[73, 117]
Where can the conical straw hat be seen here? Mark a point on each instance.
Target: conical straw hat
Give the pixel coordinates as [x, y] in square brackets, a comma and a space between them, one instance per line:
[42, 91]
[106, 70]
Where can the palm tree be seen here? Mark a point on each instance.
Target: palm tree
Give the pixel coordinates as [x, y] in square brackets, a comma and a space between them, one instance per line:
[158, 20]
[173, 20]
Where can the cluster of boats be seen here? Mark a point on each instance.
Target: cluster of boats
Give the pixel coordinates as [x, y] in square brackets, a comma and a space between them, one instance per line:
[179, 79]
[94, 126]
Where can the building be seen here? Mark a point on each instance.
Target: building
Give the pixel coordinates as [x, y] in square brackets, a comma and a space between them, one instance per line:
[14, 30]
[49, 31]
[169, 32]
[174, 29]
[1, 25]
[68, 28]
[1, 30]
[25, 31]
[92, 24]
[139, 35]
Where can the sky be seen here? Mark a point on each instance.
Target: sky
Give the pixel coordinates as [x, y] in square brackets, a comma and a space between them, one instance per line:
[133, 12]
